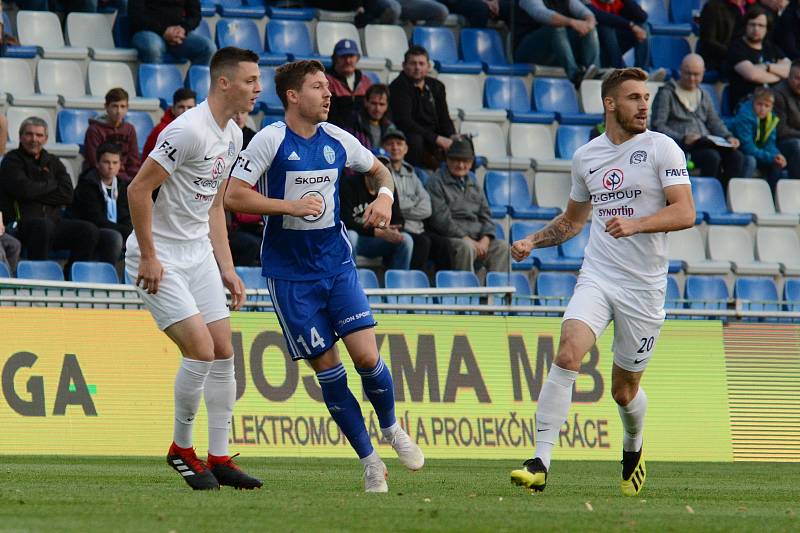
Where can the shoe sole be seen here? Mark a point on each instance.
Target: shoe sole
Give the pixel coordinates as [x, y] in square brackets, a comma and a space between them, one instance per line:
[530, 480]
[633, 485]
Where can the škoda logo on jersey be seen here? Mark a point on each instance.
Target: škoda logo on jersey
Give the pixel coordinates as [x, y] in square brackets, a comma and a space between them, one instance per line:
[612, 179]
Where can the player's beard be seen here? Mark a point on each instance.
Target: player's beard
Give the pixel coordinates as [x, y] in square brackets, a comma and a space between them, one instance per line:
[629, 124]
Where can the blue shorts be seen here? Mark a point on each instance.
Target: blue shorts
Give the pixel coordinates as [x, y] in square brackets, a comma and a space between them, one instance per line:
[315, 314]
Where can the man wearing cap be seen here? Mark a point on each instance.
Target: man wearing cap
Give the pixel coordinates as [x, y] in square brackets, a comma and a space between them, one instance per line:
[461, 213]
[348, 85]
[415, 205]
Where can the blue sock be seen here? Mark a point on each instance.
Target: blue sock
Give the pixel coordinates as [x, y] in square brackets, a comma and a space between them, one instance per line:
[344, 409]
[380, 391]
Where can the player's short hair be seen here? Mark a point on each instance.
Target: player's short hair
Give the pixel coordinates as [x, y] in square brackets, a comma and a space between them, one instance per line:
[620, 76]
[108, 148]
[416, 50]
[289, 77]
[183, 94]
[376, 89]
[763, 93]
[226, 59]
[32, 121]
[117, 94]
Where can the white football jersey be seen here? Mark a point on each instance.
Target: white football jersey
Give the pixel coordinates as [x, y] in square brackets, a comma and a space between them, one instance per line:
[198, 156]
[627, 180]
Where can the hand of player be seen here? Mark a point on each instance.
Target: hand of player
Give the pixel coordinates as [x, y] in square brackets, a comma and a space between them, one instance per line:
[150, 274]
[521, 249]
[310, 206]
[622, 227]
[378, 214]
[235, 285]
[780, 161]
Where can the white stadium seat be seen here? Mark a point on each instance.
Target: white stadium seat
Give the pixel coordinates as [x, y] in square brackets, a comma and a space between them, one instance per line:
[535, 141]
[687, 246]
[490, 142]
[787, 196]
[780, 245]
[330, 33]
[734, 244]
[386, 41]
[590, 96]
[15, 117]
[16, 80]
[105, 75]
[93, 31]
[465, 101]
[65, 79]
[551, 189]
[752, 195]
[42, 29]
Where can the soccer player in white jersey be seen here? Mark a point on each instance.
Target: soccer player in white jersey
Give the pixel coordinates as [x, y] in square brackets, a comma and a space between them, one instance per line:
[636, 185]
[307, 258]
[179, 256]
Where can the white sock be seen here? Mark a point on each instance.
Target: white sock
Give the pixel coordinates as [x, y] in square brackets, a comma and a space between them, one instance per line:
[554, 402]
[389, 432]
[220, 395]
[188, 389]
[370, 459]
[632, 416]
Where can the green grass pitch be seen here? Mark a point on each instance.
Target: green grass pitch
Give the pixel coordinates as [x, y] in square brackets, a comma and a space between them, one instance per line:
[143, 494]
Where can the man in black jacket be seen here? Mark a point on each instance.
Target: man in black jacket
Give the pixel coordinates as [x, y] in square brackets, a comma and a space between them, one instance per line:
[35, 188]
[102, 199]
[161, 26]
[419, 108]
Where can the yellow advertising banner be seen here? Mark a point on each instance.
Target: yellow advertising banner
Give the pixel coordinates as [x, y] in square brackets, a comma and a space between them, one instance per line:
[92, 382]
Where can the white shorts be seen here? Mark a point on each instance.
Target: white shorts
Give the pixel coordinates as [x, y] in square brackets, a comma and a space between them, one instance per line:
[191, 284]
[638, 315]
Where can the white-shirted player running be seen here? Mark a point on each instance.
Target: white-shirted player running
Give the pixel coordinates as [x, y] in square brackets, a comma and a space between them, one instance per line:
[636, 184]
[179, 256]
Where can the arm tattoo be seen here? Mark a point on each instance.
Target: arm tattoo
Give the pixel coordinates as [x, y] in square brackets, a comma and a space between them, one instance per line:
[559, 230]
[381, 178]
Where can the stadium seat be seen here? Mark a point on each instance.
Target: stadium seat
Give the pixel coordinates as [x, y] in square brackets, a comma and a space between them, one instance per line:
[509, 93]
[66, 80]
[712, 92]
[686, 251]
[422, 174]
[16, 115]
[683, 11]
[290, 13]
[496, 187]
[734, 244]
[292, 38]
[484, 46]
[535, 141]
[72, 125]
[105, 75]
[570, 138]
[591, 100]
[668, 52]
[457, 278]
[386, 41]
[93, 272]
[330, 33]
[518, 280]
[464, 99]
[659, 21]
[42, 270]
[244, 33]
[574, 248]
[13, 51]
[324, 15]
[551, 189]
[759, 294]
[673, 294]
[555, 288]
[268, 100]
[142, 123]
[406, 279]
[490, 142]
[753, 195]
[198, 79]
[369, 280]
[208, 8]
[271, 118]
[706, 292]
[709, 202]
[541, 258]
[779, 245]
[254, 279]
[791, 294]
[787, 196]
[237, 8]
[725, 103]
[499, 231]
[441, 46]
[557, 95]
[373, 76]
[159, 81]
[93, 31]
[16, 82]
[520, 201]
[42, 29]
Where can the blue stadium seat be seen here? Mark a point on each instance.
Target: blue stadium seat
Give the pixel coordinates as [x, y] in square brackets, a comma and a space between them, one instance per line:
[556, 286]
[204, 30]
[369, 280]
[673, 294]
[292, 38]
[496, 187]
[406, 279]
[574, 247]
[706, 292]
[570, 138]
[682, 11]
[759, 290]
[709, 201]
[659, 20]
[4, 273]
[208, 8]
[159, 81]
[441, 46]
[668, 52]
[558, 95]
[93, 272]
[19, 52]
[791, 294]
[517, 280]
[483, 45]
[290, 13]
[198, 79]
[142, 123]
[509, 93]
[507, 191]
[43, 270]
[457, 278]
[373, 76]
[72, 125]
[253, 279]
[244, 34]
[237, 8]
[499, 232]
[422, 174]
[541, 258]
[268, 100]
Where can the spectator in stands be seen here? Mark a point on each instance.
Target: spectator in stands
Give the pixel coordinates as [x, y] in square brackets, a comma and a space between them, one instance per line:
[374, 118]
[245, 231]
[393, 244]
[366, 11]
[247, 133]
[182, 100]
[461, 213]
[478, 13]
[787, 106]
[622, 25]
[773, 10]
[111, 127]
[415, 206]
[419, 108]
[10, 248]
[685, 112]
[36, 189]
[720, 22]
[3, 134]
[752, 61]
[757, 126]
[430, 12]
[787, 30]
[559, 33]
[159, 27]
[347, 84]
[101, 198]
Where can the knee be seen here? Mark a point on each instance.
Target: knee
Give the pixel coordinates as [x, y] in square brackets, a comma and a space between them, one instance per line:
[365, 359]
[625, 393]
[391, 12]
[408, 242]
[569, 354]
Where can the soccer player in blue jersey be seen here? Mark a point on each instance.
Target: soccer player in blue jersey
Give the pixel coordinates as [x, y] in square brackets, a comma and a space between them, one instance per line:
[307, 258]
